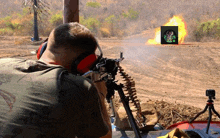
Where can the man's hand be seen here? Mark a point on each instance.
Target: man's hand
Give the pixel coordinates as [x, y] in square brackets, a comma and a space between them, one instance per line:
[102, 91]
[100, 85]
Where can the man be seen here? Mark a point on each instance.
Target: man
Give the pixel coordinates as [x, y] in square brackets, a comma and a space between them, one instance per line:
[44, 98]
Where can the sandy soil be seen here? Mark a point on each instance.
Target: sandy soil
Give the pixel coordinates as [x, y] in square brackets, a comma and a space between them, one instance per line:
[177, 75]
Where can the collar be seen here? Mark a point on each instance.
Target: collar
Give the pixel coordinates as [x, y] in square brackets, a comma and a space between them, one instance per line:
[55, 63]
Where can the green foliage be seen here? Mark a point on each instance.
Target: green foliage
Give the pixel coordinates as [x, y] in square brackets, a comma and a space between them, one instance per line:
[125, 15]
[19, 15]
[6, 25]
[110, 25]
[6, 31]
[82, 20]
[13, 26]
[93, 4]
[110, 19]
[209, 29]
[91, 23]
[17, 24]
[26, 11]
[131, 14]
[209, 26]
[7, 18]
[57, 19]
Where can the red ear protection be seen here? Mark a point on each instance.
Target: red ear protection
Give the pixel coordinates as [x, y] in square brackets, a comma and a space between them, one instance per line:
[41, 50]
[81, 65]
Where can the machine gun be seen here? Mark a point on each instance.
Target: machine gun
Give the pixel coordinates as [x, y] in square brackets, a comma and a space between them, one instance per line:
[107, 70]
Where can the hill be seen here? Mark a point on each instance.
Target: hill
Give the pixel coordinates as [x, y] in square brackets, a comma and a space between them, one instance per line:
[128, 17]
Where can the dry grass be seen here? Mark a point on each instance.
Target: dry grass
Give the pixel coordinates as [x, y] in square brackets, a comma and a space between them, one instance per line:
[151, 15]
[169, 114]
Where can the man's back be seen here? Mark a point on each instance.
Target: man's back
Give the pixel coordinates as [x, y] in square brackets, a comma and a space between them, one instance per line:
[36, 101]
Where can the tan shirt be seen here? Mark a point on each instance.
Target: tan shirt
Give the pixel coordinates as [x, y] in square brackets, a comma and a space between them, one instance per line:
[34, 103]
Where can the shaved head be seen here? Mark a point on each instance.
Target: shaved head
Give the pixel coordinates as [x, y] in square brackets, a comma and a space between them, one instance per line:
[66, 42]
[72, 36]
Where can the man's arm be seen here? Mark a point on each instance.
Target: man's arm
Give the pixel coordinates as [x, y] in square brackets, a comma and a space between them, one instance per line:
[102, 91]
[84, 106]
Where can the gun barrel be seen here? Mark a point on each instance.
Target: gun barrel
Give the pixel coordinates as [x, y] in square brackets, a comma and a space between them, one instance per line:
[119, 60]
[121, 54]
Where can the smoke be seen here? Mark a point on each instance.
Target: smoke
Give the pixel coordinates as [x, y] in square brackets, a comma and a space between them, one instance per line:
[138, 55]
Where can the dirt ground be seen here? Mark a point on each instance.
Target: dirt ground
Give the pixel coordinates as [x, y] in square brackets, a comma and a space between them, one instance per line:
[174, 78]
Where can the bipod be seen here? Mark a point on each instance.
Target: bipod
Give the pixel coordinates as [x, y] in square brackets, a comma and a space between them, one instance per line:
[125, 101]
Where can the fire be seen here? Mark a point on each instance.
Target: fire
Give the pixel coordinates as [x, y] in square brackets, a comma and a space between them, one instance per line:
[174, 21]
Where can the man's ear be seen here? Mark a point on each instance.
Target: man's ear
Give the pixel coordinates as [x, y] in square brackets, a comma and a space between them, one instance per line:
[41, 50]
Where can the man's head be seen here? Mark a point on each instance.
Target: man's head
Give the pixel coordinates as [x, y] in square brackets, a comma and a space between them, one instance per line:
[66, 42]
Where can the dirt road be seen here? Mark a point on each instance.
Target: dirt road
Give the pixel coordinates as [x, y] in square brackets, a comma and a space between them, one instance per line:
[178, 74]
[175, 74]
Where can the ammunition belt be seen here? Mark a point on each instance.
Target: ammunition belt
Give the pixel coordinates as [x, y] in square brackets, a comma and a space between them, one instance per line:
[130, 91]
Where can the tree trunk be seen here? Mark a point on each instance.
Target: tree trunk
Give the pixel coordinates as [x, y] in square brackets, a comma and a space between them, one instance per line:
[36, 37]
[71, 11]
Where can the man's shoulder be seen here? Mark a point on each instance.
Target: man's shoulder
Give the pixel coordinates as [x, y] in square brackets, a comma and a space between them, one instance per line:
[70, 80]
[7, 64]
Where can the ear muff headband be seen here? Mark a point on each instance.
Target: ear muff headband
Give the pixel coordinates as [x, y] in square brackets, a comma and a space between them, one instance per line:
[41, 50]
[82, 64]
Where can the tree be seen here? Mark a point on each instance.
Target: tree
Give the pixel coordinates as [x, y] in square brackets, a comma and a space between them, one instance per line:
[71, 11]
[38, 7]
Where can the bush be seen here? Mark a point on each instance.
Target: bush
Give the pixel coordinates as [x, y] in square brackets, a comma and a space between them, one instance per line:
[7, 27]
[13, 26]
[110, 19]
[105, 32]
[6, 31]
[17, 24]
[56, 19]
[82, 20]
[91, 23]
[131, 14]
[22, 24]
[7, 18]
[27, 23]
[26, 10]
[110, 24]
[208, 29]
[93, 4]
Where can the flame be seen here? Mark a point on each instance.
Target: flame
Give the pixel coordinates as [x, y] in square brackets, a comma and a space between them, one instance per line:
[174, 21]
